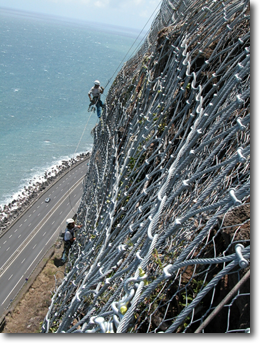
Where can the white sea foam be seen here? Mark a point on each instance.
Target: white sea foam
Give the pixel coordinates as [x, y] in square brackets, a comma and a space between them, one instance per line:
[28, 186]
[42, 120]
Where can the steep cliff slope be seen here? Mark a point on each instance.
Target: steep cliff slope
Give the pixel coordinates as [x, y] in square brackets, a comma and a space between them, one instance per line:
[165, 209]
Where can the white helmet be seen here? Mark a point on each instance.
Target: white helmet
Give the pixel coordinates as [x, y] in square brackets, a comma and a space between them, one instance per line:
[96, 82]
[70, 221]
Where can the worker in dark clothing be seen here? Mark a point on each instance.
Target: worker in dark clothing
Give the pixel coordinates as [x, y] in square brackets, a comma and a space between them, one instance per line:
[69, 237]
[94, 96]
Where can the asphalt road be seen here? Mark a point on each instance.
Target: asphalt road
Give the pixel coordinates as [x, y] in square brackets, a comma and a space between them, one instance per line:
[28, 240]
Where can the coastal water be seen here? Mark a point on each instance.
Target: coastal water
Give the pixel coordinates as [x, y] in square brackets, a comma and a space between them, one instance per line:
[46, 69]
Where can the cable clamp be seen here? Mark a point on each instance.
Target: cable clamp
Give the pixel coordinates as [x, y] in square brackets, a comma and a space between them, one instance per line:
[121, 248]
[166, 273]
[243, 263]
[240, 155]
[234, 198]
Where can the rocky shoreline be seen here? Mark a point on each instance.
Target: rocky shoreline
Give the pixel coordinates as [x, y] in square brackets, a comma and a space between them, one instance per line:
[10, 212]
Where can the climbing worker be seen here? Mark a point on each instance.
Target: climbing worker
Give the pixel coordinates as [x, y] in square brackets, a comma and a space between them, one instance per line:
[69, 237]
[94, 97]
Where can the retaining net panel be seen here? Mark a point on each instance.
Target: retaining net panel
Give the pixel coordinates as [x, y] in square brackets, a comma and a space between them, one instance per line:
[165, 241]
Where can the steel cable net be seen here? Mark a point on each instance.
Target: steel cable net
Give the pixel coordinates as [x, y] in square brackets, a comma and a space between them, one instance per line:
[165, 209]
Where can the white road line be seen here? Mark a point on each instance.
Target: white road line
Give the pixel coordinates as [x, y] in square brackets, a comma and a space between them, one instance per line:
[29, 224]
[60, 212]
[48, 240]
[34, 211]
[25, 220]
[30, 215]
[10, 236]
[19, 236]
[34, 246]
[10, 277]
[8, 248]
[23, 261]
[34, 259]
[38, 206]
[20, 225]
[38, 214]
[4, 242]
[44, 233]
[53, 222]
[16, 230]
[54, 209]
[12, 290]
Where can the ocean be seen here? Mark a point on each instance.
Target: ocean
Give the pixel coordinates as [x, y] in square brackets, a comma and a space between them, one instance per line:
[47, 67]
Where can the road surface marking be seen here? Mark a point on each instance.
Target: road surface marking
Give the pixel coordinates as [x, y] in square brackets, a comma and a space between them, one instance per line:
[19, 236]
[48, 240]
[34, 246]
[8, 248]
[23, 261]
[34, 231]
[29, 224]
[10, 236]
[12, 290]
[30, 215]
[34, 259]
[10, 277]
[20, 225]
[4, 242]
[44, 233]
[53, 222]
[15, 230]
[25, 220]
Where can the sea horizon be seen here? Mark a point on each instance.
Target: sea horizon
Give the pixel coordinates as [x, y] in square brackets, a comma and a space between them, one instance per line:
[47, 67]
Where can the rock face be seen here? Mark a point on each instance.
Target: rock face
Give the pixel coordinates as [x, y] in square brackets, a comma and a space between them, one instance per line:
[166, 197]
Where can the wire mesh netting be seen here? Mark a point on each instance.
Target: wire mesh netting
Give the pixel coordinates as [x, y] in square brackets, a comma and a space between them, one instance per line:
[165, 241]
